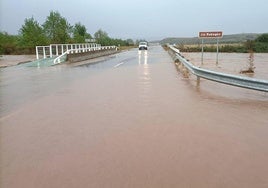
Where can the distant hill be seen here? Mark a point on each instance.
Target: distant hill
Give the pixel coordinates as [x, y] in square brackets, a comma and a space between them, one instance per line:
[235, 38]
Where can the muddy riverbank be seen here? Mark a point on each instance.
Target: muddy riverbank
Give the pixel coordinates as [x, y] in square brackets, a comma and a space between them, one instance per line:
[11, 60]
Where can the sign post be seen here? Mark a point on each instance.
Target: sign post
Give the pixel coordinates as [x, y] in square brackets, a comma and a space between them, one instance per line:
[210, 34]
[202, 51]
[217, 59]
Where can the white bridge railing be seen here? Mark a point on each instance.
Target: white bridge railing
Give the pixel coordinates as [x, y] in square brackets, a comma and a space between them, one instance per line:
[55, 50]
[244, 82]
[88, 49]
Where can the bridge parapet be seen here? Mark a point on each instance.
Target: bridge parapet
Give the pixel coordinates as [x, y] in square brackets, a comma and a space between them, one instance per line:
[59, 52]
[103, 51]
[55, 50]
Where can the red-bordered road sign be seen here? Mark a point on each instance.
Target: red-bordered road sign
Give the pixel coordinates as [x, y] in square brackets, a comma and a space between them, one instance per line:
[210, 34]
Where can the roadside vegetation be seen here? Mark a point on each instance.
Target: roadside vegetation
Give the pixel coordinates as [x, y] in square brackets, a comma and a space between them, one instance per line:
[258, 45]
[55, 30]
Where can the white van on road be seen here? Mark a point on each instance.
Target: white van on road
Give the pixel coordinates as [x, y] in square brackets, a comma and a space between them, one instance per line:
[143, 46]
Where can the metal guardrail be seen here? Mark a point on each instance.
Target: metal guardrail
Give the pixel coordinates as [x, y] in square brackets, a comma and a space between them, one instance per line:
[239, 81]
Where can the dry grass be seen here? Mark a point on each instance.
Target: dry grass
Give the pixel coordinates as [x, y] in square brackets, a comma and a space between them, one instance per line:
[122, 48]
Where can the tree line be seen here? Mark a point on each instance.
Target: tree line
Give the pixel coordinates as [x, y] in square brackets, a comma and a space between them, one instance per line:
[55, 30]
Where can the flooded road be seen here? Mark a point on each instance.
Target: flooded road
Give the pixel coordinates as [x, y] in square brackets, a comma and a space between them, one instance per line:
[131, 120]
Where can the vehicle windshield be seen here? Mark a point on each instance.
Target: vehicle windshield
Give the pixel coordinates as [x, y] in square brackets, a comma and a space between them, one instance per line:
[143, 43]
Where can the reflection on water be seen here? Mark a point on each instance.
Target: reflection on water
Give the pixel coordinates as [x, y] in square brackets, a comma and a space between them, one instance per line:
[140, 124]
[143, 64]
[21, 85]
[143, 57]
[145, 82]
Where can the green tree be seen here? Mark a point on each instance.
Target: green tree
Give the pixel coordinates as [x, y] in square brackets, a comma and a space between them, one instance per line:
[56, 28]
[129, 42]
[100, 34]
[80, 33]
[102, 38]
[31, 34]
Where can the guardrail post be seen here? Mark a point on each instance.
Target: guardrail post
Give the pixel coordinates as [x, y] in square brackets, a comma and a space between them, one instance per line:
[198, 81]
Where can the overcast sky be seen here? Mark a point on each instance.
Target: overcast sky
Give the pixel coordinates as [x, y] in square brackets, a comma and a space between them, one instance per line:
[143, 19]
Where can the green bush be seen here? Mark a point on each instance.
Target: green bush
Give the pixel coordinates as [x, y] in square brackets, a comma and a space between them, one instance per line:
[263, 38]
[8, 43]
[261, 47]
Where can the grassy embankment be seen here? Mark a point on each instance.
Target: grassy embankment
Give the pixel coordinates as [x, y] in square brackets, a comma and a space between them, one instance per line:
[237, 43]
[228, 48]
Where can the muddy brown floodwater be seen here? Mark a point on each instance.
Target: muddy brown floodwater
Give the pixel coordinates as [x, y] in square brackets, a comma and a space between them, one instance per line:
[131, 120]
